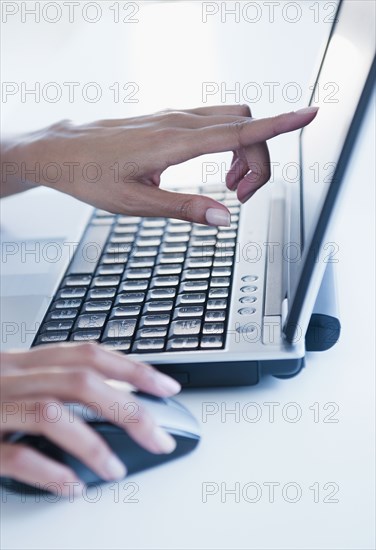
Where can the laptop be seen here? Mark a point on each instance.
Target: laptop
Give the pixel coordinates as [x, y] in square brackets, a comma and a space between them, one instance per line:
[221, 306]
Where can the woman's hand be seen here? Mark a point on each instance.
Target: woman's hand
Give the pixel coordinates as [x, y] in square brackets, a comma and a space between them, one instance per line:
[31, 381]
[116, 165]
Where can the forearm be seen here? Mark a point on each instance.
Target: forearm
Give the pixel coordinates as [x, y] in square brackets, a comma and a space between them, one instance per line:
[16, 175]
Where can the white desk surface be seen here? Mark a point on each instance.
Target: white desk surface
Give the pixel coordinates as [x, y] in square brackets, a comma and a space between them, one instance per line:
[318, 458]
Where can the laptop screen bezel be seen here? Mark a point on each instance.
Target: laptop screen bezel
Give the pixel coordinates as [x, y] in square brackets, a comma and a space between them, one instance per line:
[307, 270]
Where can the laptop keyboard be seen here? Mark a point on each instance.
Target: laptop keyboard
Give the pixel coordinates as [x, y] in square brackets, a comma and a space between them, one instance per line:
[146, 285]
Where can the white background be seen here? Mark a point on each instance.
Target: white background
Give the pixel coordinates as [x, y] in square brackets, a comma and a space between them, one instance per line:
[169, 53]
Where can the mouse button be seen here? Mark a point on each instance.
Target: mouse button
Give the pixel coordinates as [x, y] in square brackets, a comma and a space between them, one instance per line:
[171, 417]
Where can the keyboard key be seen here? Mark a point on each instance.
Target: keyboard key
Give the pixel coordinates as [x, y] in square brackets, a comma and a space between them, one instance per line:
[121, 239]
[147, 252]
[153, 332]
[158, 306]
[215, 315]
[174, 248]
[67, 304]
[51, 337]
[73, 292]
[211, 342]
[164, 281]
[217, 304]
[213, 328]
[200, 252]
[168, 269]
[223, 262]
[192, 298]
[111, 269]
[154, 223]
[86, 336]
[196, 274]
[125, 229]
[194, 286]
[140, 273]
[231, 203]
[120, 328]
[203, 231]
[188, 327]
[128, 220]
[77, 280]
[106, 281]
[161, 293]
[101, 293]
[118, 248]
[218, 293]
[179, 238]
[171, 258]
[118, 345]
[226, 244]
[136, 263]
[202, 241]
[220, 282]
[193, 263]
[149, 344]
[179, 228]
[175, 344]
[226, 235]
[188, 311]
[141, 243]
[134, 285]
[224, 252]
[130, 298]
[56, 325]
[114, 259]
[96, 305]
[221, 272]
[155, 320]
[151, 233]
[125, 311]
[91, 320]
[62, 314]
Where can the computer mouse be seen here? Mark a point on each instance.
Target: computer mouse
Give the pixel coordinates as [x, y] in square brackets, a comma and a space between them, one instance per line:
[168, 414]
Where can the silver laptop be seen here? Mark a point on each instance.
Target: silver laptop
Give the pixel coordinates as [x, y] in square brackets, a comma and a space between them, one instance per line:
[213, 306]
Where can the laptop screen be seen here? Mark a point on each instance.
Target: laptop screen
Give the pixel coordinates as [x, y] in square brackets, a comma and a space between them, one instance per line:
[340, 93]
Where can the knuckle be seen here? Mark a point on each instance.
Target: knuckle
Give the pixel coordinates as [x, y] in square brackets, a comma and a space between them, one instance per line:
[245, 110]
[97, 451]
[83, 381]
[185, 208]
[277, 124]
[173, 118]
[89, 352]
[237, 128]
[18, 458]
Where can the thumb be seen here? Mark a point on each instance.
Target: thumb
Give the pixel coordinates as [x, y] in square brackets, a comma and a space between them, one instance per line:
[192, 208]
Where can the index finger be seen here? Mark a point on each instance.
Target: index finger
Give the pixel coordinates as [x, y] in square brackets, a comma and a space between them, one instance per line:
[234, 136]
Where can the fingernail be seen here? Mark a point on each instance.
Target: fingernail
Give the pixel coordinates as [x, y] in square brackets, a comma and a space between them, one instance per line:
[114, 468]
[165, 443]
[307, 111]
[217, 216]
[167, 384]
